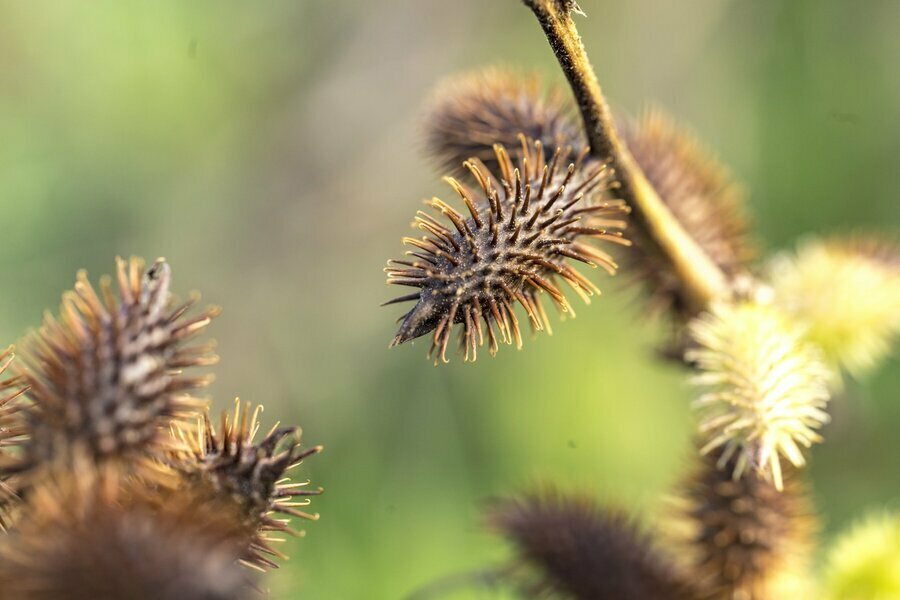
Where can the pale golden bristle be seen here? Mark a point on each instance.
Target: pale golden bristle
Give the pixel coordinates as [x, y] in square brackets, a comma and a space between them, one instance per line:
[764, 387]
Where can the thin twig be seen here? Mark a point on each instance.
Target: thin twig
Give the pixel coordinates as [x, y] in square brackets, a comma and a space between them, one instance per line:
[703, 280]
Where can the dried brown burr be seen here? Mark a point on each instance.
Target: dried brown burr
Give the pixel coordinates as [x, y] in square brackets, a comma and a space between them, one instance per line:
[105, 377]
[82, 536]
[569, 547]
[226, 466]
[741, 538]
[472, 112]
[523, 225]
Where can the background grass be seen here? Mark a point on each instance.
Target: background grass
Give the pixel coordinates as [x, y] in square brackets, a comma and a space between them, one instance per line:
[272, 152]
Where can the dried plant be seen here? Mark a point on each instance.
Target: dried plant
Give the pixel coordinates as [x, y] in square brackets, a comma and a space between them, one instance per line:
[472, 113]
[741, 537]
[84, 537]
[512, 247]
[226, 466]
[570, 546]
[114, 482]
[105, 376]
[12, 433]
[765, 345]
[476, 111]
[107, 489]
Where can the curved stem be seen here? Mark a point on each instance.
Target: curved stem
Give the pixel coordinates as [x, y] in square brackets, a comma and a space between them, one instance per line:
[703, 280]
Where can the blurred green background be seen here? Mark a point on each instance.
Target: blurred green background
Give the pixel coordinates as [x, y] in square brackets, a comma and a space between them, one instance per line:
[272, 151]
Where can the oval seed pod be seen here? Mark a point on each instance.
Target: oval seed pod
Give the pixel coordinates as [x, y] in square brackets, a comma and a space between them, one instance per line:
[226, 465]
[765, 387]
[106, 375]
[570, 547]
[741, 538]
[472, 112]
[522, 228]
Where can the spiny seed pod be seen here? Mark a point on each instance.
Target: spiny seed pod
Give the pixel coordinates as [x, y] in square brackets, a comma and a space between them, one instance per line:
[227, 466]
[847, 291]
[474, 111]
[865, 561]
[82, 538]
[702, 197]
[511, 248]
[574, 548]
[12, 434]
[767, 387]
[741, 539]
[106, 375]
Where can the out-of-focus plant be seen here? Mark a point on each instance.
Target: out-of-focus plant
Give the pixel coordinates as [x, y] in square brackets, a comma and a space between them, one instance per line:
[114, 482]
[865, 561]
[846, 292]
[767, 346]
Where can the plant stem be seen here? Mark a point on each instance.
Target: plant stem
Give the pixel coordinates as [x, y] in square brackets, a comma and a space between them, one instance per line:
[701, 277]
